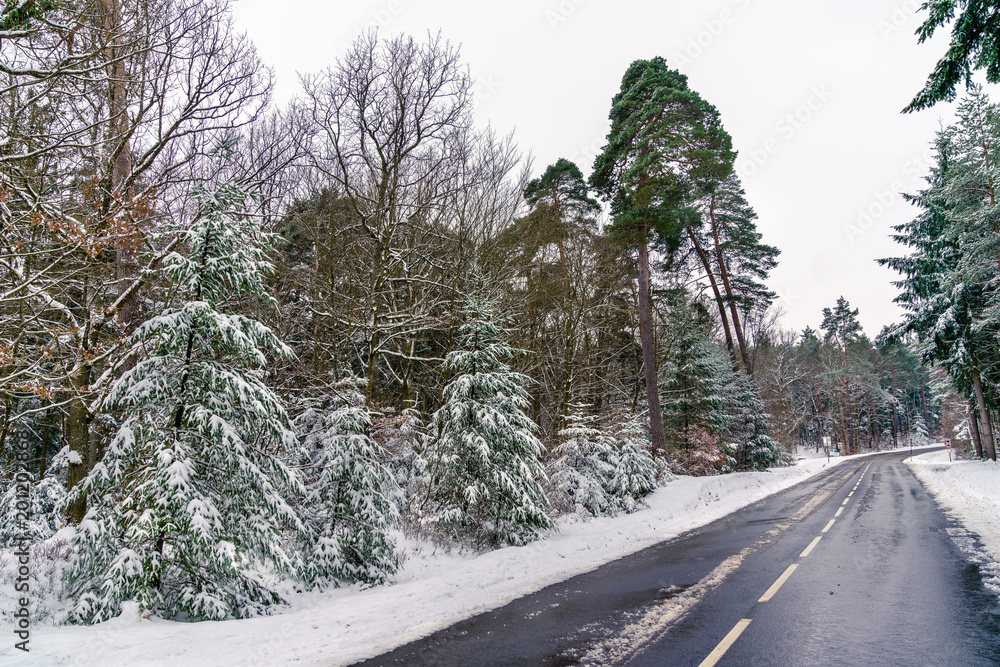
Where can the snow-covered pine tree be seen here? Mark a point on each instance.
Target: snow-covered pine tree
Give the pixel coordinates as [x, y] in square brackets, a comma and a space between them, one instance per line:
[348, 514]
[190, 497]
[918, 431]
[748, 444]
[45, 498]
[694, 372]
[484, 462]
[582, 474]
[635, 471]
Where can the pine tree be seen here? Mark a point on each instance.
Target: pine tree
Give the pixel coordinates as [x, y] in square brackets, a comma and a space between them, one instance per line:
[635, 471]
[665, 146]
[565, 216]
[951, 281]
[749, 445]
[694, 373]
[189, 500]
[733, 258]
[349, 516]
[484, 463]
[587, 462]
[973, 47]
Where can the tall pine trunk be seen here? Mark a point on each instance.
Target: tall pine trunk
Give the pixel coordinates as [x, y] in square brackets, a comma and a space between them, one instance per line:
[977, 439]
[723, 317]
[986, 426]
[648, 351]
[724, 274]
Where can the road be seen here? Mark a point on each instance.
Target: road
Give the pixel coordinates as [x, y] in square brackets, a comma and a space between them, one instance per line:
[856, 566]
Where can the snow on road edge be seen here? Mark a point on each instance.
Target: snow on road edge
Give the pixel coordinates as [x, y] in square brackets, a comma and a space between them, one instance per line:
[433, 590]
[970, 492]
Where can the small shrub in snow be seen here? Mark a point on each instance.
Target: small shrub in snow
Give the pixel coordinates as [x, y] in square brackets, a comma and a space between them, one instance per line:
[45, 501]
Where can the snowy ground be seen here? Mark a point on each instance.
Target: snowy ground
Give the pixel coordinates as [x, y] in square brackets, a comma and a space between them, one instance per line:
[433, 590]
[970, 492]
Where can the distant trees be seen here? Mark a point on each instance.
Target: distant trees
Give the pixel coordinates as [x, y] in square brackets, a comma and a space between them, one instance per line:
[863, 395]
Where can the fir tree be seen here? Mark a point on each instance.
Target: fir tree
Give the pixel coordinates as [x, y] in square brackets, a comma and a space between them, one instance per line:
[974, 46]
[694, 373]
[349, 515]
[749, 445]
[190, 498]
[484, 463]
[583, 473]
[951, 281]
[635, 471]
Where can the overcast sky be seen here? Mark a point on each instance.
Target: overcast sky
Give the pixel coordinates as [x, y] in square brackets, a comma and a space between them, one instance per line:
[810, 91]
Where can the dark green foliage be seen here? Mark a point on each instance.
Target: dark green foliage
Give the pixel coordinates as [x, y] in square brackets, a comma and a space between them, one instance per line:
[841, 324]
[666, 146]
[18, 14]
[975, 45]
[694, 373]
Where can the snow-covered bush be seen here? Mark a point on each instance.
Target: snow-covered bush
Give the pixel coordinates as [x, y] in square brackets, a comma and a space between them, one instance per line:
[189, 500]
[484, 464]
[348, 514]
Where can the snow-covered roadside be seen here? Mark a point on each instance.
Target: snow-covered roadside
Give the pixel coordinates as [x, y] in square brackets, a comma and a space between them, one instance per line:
[432, 591]
[970, 492]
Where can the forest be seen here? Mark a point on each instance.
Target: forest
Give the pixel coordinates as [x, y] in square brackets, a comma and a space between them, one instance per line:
[242, 340]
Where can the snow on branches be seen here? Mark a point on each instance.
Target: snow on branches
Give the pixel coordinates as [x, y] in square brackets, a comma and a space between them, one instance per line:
[187, 505]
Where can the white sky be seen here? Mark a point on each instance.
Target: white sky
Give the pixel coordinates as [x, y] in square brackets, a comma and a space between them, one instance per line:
[548, 70]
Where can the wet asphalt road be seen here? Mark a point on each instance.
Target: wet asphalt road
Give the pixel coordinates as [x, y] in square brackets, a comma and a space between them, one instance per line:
[884, 584]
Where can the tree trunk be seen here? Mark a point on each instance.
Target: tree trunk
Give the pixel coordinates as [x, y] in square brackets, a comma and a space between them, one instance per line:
[703, 256]
[895, 417]
[923, 405]
[78, 419]
[977, 440]
[737, 327]
[648, 354]
[119, 194]
[989, 444]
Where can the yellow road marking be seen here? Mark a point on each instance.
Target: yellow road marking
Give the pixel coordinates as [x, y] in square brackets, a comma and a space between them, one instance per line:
[777, 584]
[829, 525]
[726, 642]
[845, 501]
[839, 511]
[812, 545]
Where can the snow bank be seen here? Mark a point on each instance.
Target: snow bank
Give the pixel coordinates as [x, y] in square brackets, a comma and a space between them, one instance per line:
[970, 492]
[433, 590]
